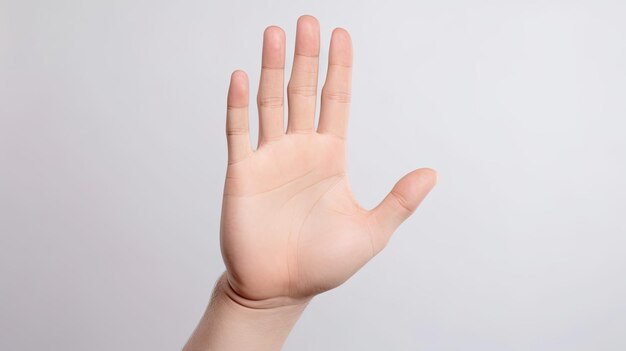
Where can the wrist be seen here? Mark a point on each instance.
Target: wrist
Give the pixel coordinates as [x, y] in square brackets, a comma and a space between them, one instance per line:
[226, 290]
[232, 322]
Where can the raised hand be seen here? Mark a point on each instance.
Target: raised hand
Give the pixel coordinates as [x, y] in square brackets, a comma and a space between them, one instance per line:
[291, 227]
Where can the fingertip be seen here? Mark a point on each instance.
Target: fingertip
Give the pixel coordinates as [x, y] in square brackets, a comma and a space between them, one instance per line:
[272, 29]
[342, 36]
[238, 89]
[341, 47]
[308, 20]
[273, 34]
[413, 187]
[239, 76]
[421, 181]
[428, 175]
[273, 47]
[308, 36]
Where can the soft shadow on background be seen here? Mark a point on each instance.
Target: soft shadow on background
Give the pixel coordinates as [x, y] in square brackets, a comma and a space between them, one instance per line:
[112, 159]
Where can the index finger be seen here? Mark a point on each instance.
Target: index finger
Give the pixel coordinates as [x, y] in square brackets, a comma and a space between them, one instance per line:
[336, 93]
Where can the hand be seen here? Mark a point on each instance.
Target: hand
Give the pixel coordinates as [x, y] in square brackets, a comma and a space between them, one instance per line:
[291, 227]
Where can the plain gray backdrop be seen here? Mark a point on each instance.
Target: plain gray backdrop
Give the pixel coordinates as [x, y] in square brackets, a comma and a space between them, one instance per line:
[112, 161]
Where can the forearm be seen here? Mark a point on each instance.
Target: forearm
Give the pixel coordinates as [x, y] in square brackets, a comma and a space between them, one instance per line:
[227, 324]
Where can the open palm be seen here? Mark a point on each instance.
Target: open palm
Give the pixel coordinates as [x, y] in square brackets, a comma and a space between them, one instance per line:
[291, 227]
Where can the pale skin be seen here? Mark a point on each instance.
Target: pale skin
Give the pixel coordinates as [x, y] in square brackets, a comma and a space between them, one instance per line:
[291, 228]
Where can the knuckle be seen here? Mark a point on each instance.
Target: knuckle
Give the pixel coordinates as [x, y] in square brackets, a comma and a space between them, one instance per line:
[402, 203]
[270, 101]
[236, 131]
[302, 90]
[233, 108]
[342, 97]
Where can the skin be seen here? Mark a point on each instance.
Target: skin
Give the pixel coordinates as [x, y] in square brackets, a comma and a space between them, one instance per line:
[290, 227]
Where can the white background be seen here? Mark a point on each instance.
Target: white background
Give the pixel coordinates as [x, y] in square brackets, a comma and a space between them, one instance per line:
[112, 159]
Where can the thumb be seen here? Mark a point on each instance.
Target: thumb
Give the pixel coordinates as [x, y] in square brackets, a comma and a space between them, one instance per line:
[399, 204]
